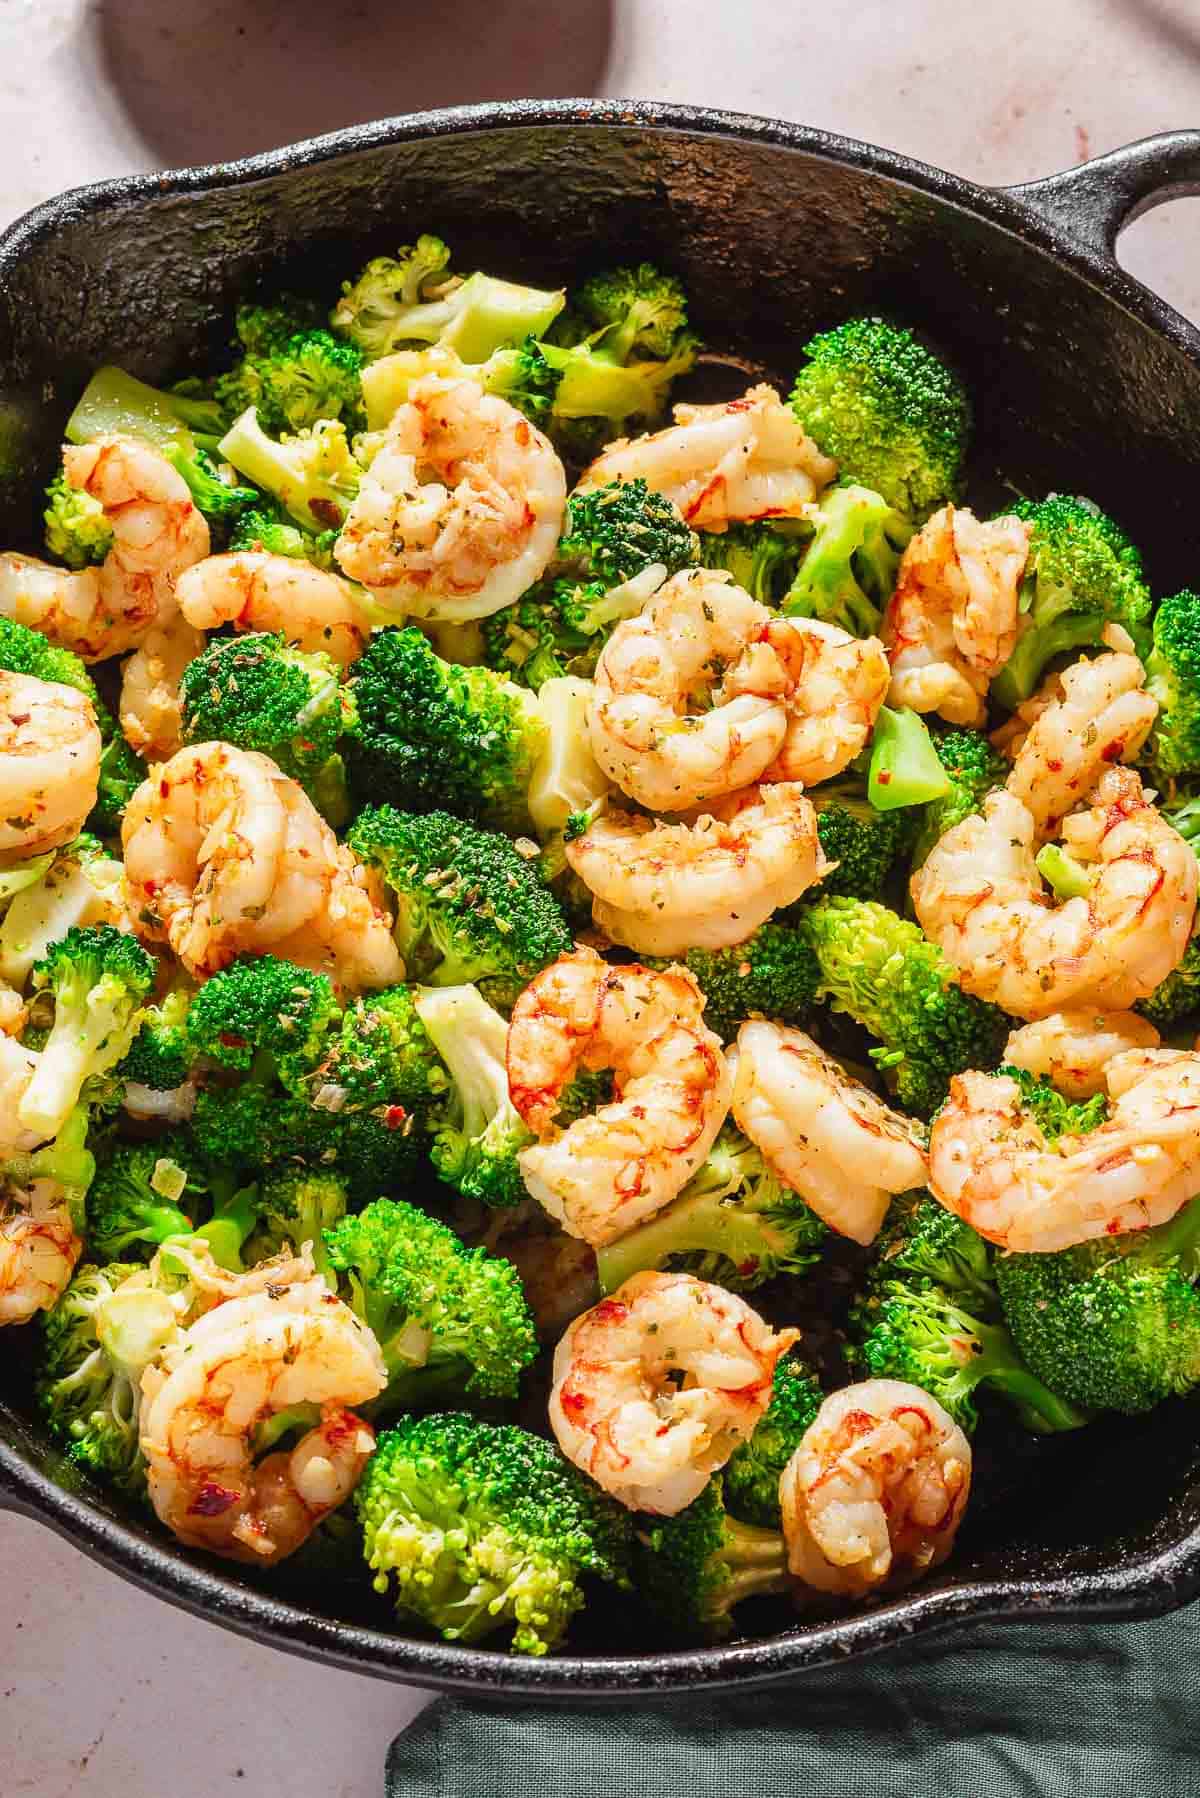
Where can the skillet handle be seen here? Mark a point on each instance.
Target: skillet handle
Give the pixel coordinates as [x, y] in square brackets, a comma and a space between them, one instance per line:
[1094, 202]
[11, 1498]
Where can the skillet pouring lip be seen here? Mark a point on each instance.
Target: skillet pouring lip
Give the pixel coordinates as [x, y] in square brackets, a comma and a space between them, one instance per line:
[1151, 1580]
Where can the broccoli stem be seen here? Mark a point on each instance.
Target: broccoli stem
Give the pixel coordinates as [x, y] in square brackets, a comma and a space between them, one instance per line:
[311, 500]
[1069, 878]
[757, 1560]
[905, 767]
[115, 402]
[1042, 1410]
[701, 1224]
[1018, 678]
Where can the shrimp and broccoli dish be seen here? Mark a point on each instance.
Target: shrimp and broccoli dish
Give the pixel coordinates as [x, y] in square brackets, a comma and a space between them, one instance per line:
[591, 987]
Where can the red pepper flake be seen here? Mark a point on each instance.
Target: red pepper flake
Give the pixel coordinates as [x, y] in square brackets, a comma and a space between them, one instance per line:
[212, 1500]
[395, 1117]
[884, 777]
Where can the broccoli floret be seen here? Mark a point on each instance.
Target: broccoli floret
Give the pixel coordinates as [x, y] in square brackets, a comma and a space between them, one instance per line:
[78, 884]
[446, 1317]
[567, 780]
[470, 907]
[753, 1470]
[892, 415]
[138, 1197]
[296, 1205]
[1113, 1324]
[121, 774]
[640, 311]
[77, 527]
[114, 401]
[97, 979]
[480, 1135]
[1082, 573]
[865, 843]
[1178, 996]
[481, 1527]
[382, 1055]
[98, 1340]
[159, 1056]
[735, 1223]
[921, 1239]
[260, 692]
[772, 974]
[292, 374]
[693, 1569]
[904, 767]
[1053, 1114]
[26, 651]
[849, 566]
[262, 1009]
[412, 298]
[431, 734]
[1173, 677]
[214, 489]
[974, 768]
[313, 475]
[67, 1161]
[520, 375]
[613, 532]
[880, 970]
[761, 559]
[263, 528]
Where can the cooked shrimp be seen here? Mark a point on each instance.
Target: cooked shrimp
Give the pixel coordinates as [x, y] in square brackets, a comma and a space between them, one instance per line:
[839, 684]
[1103, 715]
[225, 855]
[17, 1064]
[150, 709]
[38, 1249]
[1073, 1048]
[748, 459]
[49, 764]
[609, 1171]
[240, 1364]
[461, 508]
[656, 1386]
[823, 1134]
[876, 1490]
[952, 621]
[980, 897]
[157, 533]
[311, 607]
[663, 889]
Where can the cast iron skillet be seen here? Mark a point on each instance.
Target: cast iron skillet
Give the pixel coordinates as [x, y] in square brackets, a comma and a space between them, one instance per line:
[1084, 381]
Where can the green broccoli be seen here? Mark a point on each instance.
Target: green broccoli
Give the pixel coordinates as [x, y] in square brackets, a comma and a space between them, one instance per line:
[49, 894]
[772, 974]
[521, 375]
[1113, 1324]
[412, 298]
[447, 1318]
[849, 567]
[616, 531]
[480, 1134]
[640, 311]
[1178, 996]
[260, 692]
[880, 970]
[1082, 574]
[67, 1161]
[97, 980]
[974, 768]
[138, 1197]
[77, 527]
[920, 1239]
[470, 907]
[892, 415]
[761, 559]
[291, 373]
[312, 475]
[1053, 1114]
[159, 1056]
[264, 529]
[695, 1568]
[481, 1527]
[866, 843]
[599, 398]
[735, 1223]
[431, 734]
[381, 1055]
[296, 1205]
[1173, 677]
[904, 767]
[753, 1470]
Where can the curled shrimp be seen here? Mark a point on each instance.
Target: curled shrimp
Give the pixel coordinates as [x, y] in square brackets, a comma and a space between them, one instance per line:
[990, 1163]
[39, 1248]
[609, 1171]
[823, 1134]
[311, 607]
[1102, 715]
[750, 458]
[663, 889]
[240, 1364]
[980, 897]
[461, 508]
[49, 764]
[150, 709]
[225, 855]
[656, 1386]
[876, 1490]
[1073, 1048]
[838, 685]
[157, 533]
[952, 621]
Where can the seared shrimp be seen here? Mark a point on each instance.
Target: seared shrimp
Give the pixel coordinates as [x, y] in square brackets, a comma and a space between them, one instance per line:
[461, 508]
[225, 855]
[748, 459]
[876, 1490]
[609, 1171]
[952, 621]
[150, 709]
[239, 1365]
[1102, 715]
[311, 607]
[839, 684]
[980, 897]
[823, 1134]
[663, 889]
[656, 1386]
[49, 764]
[1073, 1048]
[157, 533]
[990, 1163]
[38, 1250]
[17, 1064]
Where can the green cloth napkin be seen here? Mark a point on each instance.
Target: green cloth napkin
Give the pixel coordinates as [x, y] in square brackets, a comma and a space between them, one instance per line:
[1045, 1711]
